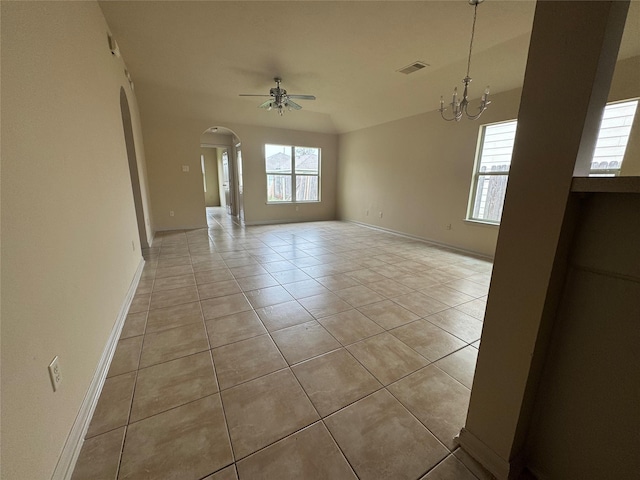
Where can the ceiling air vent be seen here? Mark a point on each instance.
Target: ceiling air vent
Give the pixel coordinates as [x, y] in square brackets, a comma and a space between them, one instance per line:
[414, 67]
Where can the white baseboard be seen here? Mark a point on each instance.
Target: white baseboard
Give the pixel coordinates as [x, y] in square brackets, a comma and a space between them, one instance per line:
[421, 239]
[73, 445]
[180, 227]
[285, 220]
[495, 464]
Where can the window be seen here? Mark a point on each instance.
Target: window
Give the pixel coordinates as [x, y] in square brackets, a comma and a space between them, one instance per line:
[612, 139]
[496, 146]
[288, 167]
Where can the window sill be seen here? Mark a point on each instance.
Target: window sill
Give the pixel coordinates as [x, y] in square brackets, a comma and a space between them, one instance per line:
[480, 222]
[292, 203]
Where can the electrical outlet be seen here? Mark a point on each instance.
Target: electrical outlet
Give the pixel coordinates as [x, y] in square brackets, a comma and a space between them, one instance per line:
[171, 213]
[448, 227]
[380, 214]
[55, 373]
[366, 212]
[185, 168]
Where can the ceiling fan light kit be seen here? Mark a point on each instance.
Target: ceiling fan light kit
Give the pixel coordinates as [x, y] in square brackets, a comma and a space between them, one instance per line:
[460, 107]
[280, 99]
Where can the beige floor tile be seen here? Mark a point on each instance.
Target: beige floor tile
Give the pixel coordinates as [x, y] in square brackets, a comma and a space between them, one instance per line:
[174, 261]
[395, 446]
[243, 261]
[359, 295]
[461, 365]
[187, 442]
[256, 281]
[420, 304]
[100, 457]
[112, 410]
[265, 297]
[427, 339]
[134, 325]
[389, 288]
[248, 271]
[476, 308]
[304, 341]
[126, 356]
[246, 360]
[171, 317]
[213, 275]
[447, 295]
[386, 357]
[174, 343]
[324, 304]
[457, 323]
[169, 283]
[223, 306]
[290, 276]
[163, 272]
[310, 454]
[233, 328]
[283, 315]
[140, 303]
[305, 288]
[388, 314]
[338, 282]
[280, 266]
[334, 380]
[265, 410]
[450, 469]
[367, 276]
[470, 288]
[418, 281]
[350, 326]
[145, 285]
[202, 266]
[228, 473]
[177, 296]
[437, 400]
[218, 289]
[171, 384]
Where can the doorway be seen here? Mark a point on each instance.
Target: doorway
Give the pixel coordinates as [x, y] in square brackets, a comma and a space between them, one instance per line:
[228, 150]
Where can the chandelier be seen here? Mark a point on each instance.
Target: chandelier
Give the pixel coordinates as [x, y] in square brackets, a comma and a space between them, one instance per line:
[460, 108]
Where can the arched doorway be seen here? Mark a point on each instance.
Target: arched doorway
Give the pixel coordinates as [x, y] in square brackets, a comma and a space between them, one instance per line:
[133, 168]
[228, 154]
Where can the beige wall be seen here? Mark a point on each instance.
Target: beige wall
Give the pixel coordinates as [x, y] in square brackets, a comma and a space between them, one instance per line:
[68, 220]
[171, 144]
[212, 195]
[586, 418]
[417, 171]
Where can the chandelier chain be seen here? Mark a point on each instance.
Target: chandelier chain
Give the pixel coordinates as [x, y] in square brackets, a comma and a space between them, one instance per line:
[473, 30]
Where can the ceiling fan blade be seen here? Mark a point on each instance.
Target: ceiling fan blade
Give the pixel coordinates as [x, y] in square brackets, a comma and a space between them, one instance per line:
[267, 104]
[291, 104]
[252, 95]
[303, 97]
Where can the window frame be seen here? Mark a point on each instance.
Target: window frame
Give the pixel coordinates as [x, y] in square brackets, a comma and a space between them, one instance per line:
[293, 175]
[477, 174]
[471, 206]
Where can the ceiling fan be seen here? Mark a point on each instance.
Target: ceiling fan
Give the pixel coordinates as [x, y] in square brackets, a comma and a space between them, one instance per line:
[280, 99]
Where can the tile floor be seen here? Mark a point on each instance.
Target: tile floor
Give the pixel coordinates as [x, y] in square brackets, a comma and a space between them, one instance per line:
[304, 351]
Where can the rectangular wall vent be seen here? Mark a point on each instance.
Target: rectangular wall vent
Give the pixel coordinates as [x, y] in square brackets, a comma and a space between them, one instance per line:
[414, 67]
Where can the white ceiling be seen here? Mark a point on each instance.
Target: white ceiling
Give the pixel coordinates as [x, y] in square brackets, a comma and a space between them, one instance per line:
[194, 58]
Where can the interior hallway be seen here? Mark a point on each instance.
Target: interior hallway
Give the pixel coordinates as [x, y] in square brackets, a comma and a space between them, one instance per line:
[313, 350]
